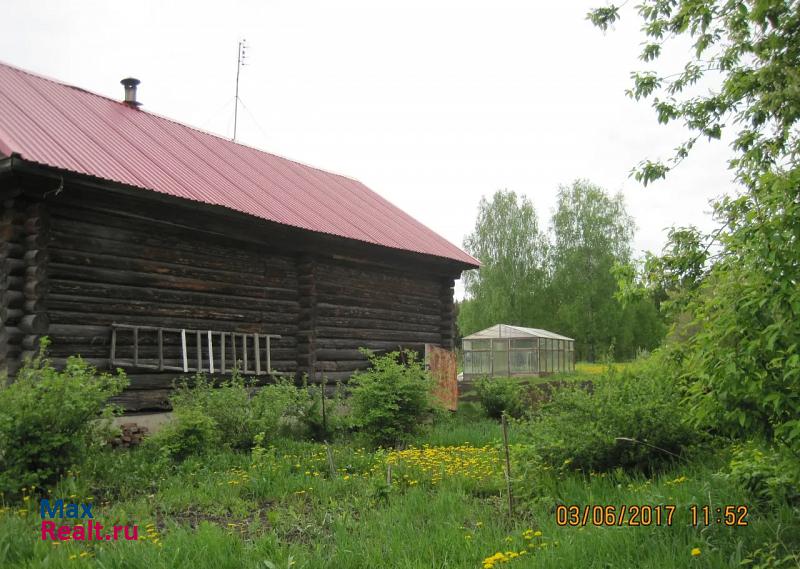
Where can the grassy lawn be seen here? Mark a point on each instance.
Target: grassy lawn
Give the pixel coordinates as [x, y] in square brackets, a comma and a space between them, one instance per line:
[282, 506]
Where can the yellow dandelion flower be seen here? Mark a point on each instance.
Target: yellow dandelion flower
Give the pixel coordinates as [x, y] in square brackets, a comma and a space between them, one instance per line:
[695, 552]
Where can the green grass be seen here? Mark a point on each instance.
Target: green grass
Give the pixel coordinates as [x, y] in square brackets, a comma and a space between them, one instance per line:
[284, 508]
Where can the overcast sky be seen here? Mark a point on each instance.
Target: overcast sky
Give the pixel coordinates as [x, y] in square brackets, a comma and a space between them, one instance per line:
[430, 104]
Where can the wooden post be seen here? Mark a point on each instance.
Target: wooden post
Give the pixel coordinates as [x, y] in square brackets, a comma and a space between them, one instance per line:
[244, 350]
[257, 350]
[508, 467]
[222, 352]
[113, 345]
[160, 349]
[185, 355]
[233, 346]
[135, 347]
[331, 465]
[199, 343]
[324, 412]
[269, 356]
[210, 354]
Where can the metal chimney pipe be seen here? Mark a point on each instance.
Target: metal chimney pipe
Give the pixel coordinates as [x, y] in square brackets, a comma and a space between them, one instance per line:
[130, 91]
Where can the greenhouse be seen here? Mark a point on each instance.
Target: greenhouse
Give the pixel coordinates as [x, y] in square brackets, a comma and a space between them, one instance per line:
[504, 350]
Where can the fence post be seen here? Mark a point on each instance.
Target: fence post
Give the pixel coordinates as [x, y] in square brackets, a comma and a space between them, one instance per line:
[508, 467]
[185, 355]
[210, 354]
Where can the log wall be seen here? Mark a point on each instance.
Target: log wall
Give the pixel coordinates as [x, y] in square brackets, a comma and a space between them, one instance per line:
[23, 272]
[359, 305]
[73, 262]
[135, 267]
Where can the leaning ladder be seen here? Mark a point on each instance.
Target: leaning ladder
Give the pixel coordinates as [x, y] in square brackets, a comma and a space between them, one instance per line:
[237, 341]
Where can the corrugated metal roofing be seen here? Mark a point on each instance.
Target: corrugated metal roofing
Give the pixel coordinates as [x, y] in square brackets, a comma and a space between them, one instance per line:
[65, 127]
[508, 331]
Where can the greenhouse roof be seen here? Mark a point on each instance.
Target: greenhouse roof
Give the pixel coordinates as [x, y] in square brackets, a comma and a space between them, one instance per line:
[508, 331]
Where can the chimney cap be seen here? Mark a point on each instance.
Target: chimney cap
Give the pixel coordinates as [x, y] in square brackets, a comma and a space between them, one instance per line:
[130, 84]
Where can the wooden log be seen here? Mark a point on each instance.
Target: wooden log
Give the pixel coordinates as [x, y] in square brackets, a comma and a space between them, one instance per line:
[35, 224]
[336, 355]
[15, 267]
[131, 309]
[341, 311]
[353, 365]
[10, 232]
[274, 309]
[34, 324]
[368, 323]
[12, 314]
[341, 295]
[30, 342]
[334, 376]
[252, 265]
[68, 272]
[35, 257]
[328, 343]
[82, 219]
[143, 400]
[377, 334]
[113, 260]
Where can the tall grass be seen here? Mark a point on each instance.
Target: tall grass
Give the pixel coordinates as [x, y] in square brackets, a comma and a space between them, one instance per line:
[282, 506]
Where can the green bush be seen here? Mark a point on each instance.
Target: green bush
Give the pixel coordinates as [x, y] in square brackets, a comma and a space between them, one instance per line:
[238, 416]
[634, 419]
[50, 420]
[500, 395]
[227, 405]
[324, 418]
[770, 475]
[281, 408]
[392, 399]
[191, 432]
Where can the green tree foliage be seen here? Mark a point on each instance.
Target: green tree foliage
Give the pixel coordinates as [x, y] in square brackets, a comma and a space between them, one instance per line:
[591, 233]
[511, 285]
[743, 363]
[565, 284]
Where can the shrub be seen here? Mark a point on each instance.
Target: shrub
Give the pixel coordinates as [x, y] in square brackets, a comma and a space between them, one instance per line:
[227, 405]
[191, 432]
[582, 430]
[323, 418]
[391, 400]
[769, 475]
[280, 409]
[239, 416]
[500, 395]
[50, 420]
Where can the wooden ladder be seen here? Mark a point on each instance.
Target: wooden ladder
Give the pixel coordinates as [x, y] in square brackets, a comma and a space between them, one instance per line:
[245, 349]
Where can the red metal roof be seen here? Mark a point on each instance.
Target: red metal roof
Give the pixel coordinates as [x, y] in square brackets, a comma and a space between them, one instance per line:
[71, 129]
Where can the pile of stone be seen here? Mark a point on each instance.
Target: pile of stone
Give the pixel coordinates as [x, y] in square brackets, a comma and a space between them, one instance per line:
[131, 436]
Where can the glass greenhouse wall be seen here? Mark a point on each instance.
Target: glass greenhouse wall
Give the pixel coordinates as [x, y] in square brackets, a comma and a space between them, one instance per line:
[504, 350]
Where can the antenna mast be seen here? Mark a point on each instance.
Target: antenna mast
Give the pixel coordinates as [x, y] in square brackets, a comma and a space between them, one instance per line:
[239, 64]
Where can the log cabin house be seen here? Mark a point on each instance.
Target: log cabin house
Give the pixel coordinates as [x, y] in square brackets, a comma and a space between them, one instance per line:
[138, 242]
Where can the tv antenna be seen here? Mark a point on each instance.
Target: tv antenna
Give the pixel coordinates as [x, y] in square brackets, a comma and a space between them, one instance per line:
[240, 62]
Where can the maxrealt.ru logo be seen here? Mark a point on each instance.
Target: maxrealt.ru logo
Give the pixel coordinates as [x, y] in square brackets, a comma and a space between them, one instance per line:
[88, 531]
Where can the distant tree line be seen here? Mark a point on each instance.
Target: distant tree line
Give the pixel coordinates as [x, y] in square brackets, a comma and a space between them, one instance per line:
[561, 279]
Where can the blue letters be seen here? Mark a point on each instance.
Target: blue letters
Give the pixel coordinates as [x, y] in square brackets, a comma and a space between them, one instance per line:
[57, 509]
